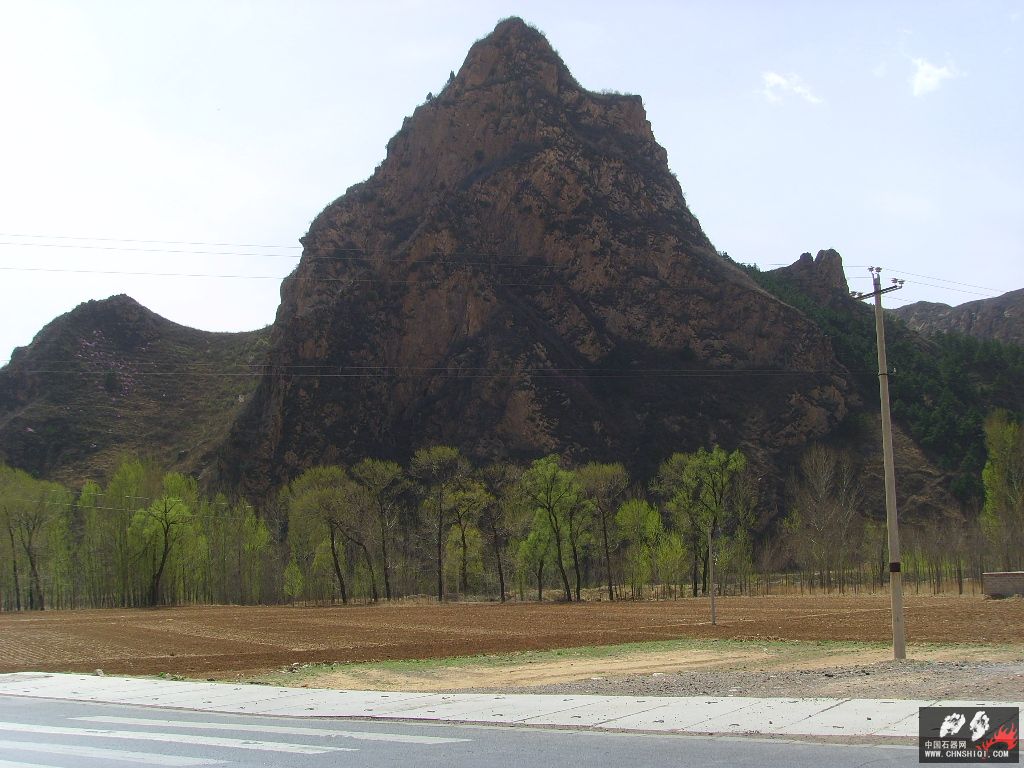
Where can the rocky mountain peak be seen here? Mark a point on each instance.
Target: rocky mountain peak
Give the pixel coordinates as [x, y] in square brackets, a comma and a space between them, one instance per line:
[511, 131]
[514, 51]
[521, 275]
[820, 276]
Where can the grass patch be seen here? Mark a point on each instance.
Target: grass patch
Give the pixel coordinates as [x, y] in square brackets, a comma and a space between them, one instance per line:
[789, 648]
[784, 650]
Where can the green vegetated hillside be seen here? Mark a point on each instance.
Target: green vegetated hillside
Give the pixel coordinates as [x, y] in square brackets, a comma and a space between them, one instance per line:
[942, 386]
[112, 379]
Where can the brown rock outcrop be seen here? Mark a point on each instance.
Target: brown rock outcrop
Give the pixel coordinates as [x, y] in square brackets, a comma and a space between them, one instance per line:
[521, 275]
[820, 277]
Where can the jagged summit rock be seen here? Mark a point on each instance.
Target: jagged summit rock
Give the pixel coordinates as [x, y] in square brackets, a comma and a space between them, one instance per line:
[515, 51]
[821, 277]
[521, 275]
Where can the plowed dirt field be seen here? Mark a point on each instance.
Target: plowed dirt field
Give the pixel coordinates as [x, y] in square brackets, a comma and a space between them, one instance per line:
[219, 641]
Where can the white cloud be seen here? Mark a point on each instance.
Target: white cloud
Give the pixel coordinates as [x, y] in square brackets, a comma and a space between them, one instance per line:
[775, 85]
[927, 77]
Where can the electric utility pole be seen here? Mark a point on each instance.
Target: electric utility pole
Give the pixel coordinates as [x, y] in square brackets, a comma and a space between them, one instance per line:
[899, 641]
[711, 570]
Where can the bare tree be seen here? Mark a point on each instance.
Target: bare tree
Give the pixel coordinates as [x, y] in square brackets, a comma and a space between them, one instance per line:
[826, 499]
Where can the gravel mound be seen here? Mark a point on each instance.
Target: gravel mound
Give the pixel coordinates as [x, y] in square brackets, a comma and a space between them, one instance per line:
[995, 681]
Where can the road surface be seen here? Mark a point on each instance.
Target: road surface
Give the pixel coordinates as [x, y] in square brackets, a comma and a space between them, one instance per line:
[42, 733]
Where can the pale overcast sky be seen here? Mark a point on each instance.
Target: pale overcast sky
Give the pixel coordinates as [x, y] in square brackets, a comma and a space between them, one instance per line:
[890, 131]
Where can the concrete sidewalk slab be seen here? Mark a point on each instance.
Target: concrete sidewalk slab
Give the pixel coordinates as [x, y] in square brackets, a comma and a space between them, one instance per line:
[681, 713]
[300, 702]
[859, 715]
[885, 718]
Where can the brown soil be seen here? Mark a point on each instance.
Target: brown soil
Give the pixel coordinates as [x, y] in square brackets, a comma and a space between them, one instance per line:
[223, 641]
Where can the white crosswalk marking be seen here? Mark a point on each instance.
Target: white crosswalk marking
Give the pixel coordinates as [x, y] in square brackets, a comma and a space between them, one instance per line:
[176, 738]
[78, 750]
[12, 764]
[285, 730]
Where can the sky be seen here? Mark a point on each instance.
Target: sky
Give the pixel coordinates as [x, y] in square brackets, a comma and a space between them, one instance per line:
[176, 150]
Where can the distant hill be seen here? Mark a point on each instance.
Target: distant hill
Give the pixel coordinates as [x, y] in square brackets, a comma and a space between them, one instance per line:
[110, 379]
[1001, 318]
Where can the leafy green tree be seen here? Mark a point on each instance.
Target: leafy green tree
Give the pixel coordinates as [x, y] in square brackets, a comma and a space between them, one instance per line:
[669, 486]
[605, 485]
[464, 564]
[253, 544]
[238, 542]
[158, 528]
[36, 514]
[640, 526]
[95, 576]
[698, 488]
[293, 581]
[439, 469]
[469, 501]
[535, 551]
[11, 483]
[386, 488]
[323, 504]
[133, 486]
[1002, 516]
[555, 493]
[671, 559]
[503, 513]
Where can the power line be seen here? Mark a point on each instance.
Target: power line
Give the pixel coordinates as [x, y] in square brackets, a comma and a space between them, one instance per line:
[138, 274]
[318, 279]
[362, 255]
[456, 374]
[388, 281]
[334, 256]
[127, 240]
[160, 251]
[948, 288]
[446, 260]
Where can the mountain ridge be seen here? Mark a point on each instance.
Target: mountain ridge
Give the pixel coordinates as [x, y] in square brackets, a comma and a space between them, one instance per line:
[1000, 318]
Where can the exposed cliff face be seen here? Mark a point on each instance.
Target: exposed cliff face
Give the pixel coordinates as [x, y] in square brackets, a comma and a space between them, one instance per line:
[521, 275]
[1001, 318]
[111, 379]
[821, 277]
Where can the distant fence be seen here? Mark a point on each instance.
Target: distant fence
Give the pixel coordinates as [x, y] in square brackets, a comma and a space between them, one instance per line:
[1003, 584]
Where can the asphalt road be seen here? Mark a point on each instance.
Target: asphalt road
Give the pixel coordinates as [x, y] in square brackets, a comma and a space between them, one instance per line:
[61, 734]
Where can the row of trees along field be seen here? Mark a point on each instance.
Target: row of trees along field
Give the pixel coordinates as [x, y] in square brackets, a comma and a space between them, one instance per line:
[442, 527]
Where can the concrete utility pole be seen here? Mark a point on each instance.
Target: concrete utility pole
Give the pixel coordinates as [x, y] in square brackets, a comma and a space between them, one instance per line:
[899, 640]
[711, 571]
